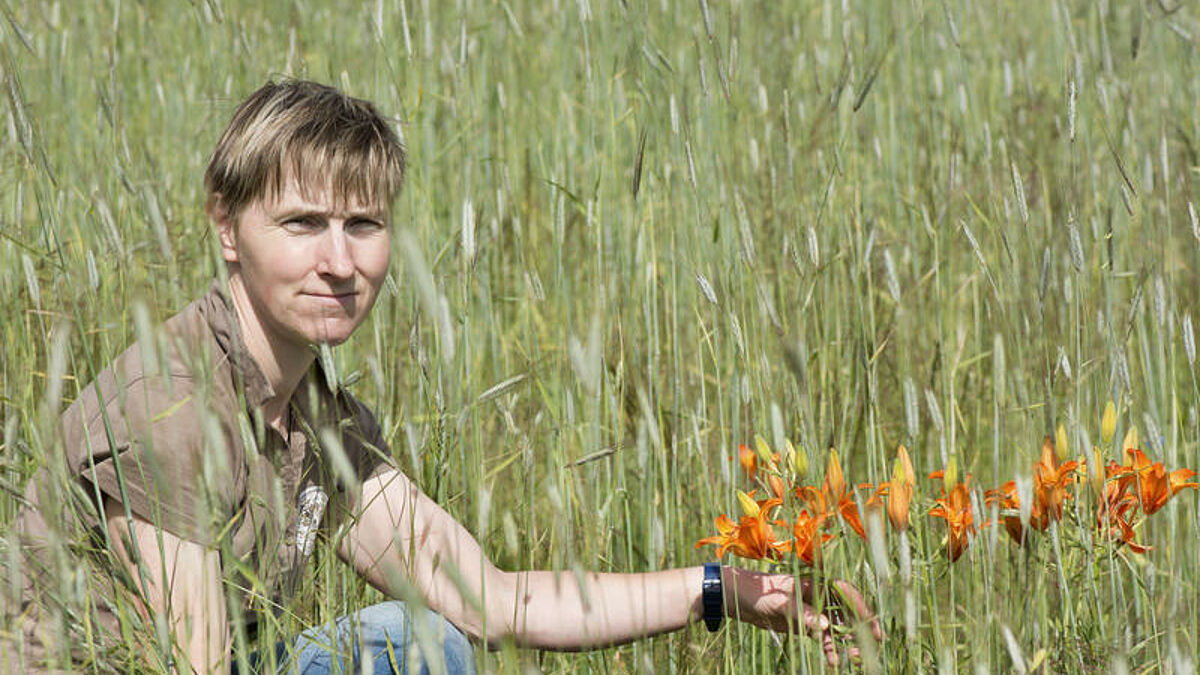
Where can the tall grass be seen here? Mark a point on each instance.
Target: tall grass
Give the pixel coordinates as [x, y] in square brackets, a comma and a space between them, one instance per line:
[655, 229]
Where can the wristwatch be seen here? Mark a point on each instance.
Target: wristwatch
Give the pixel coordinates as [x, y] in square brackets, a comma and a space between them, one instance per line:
[712, 596]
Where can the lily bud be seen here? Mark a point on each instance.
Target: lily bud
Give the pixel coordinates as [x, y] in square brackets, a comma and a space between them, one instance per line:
[749, 506]
[776, 485]
[764, 451]
[898, 475]
[1096, 473]
[1108, 423]
[1061, 444]
[900, 490]
[1130, 442]
[950, 475]
[798, 460]
[902, 470]
[833, 474]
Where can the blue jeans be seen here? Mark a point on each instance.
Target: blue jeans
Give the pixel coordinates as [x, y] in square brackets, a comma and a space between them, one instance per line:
[381, 639]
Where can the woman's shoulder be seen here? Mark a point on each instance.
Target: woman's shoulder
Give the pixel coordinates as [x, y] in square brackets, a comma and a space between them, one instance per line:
[165, 383]
[361, 435]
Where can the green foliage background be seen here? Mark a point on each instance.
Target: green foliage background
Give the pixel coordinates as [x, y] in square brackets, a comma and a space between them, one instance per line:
[853, 224]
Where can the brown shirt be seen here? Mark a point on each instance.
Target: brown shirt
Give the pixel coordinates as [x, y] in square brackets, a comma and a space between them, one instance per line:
[173, 430]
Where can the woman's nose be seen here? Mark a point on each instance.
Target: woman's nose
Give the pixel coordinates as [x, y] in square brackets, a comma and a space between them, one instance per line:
[335, 259]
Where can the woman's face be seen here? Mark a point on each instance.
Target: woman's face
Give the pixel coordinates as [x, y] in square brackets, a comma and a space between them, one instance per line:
[310, 268]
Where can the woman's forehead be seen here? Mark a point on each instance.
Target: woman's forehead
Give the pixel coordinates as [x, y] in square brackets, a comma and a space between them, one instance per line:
[322, 196]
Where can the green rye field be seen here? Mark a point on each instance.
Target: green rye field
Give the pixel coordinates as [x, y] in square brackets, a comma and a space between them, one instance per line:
[638, 233]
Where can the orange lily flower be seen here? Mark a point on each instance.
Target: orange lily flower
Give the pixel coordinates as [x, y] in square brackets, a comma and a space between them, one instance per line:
[752, 537]
[749, 460]
[833, 497]
[1154, 485]
[808, 538]
[874, 503]
[1118, 505]
[1006, 498]
[1115, 522]
[1118, 481]
[1050, 483]
[873, 506]
[955, 508]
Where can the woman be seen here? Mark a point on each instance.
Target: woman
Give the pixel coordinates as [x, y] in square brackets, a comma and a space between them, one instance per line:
[207, 463]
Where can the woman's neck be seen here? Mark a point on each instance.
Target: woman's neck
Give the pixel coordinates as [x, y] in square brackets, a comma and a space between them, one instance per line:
[283, 362]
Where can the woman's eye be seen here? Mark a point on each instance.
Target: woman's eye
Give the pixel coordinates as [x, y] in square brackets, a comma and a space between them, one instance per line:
[364, 225]
[300, 224]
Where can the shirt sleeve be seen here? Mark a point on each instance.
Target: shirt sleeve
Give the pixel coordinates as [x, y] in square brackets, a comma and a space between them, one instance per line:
[375, 456]
[152, 444]
[366, 451]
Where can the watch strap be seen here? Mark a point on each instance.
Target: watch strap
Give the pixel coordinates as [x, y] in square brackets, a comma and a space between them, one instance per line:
[712, 596]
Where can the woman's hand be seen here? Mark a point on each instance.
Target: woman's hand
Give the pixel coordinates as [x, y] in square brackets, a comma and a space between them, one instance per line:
[827, 612]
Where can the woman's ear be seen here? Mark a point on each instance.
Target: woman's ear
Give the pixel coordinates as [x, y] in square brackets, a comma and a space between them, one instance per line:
[226, 226]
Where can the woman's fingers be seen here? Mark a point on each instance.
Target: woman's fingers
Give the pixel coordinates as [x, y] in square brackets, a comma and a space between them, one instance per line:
[825, 611]
[830, 649]
[815, 622]
[818, 627]
[853, 600]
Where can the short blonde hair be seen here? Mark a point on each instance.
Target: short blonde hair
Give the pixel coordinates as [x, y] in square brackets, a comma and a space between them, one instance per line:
[309, 132]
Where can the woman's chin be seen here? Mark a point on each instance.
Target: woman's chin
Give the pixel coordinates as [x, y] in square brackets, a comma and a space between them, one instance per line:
[330, 335]
[332, 340]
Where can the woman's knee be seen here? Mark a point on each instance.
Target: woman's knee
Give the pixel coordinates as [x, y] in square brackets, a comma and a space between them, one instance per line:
[457, 650]
[397, 637]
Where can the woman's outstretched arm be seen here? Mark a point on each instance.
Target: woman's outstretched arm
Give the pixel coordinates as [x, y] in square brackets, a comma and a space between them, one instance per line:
[405, 544]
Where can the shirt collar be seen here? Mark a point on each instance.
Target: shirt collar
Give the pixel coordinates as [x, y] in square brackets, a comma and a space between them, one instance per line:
[217, 309]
